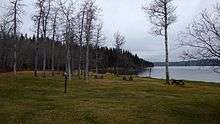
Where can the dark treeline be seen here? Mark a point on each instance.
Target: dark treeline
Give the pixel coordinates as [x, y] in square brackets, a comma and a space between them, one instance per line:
[26, 52]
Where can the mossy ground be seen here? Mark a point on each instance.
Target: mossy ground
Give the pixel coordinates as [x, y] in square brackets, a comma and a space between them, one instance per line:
[28, 99]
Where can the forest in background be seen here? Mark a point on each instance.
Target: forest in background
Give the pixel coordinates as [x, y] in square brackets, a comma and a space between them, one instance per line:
[108, 58]
[68, 36]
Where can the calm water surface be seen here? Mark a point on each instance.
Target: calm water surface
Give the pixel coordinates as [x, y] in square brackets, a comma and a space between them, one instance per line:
[194, 73]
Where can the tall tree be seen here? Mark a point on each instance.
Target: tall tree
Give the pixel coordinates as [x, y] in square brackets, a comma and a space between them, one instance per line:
[81, 21]
[99, 38]
[162, 15]
[45, 19]
[54, 21]
[91, 10]
[37, 21]
[67, 11]
[15, 10]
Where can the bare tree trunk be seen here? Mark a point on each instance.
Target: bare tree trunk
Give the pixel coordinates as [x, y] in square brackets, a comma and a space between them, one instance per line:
[53, 41]
[117, 61]
[80, 62]
[36, 60]
[80, 47]
[44, 63]
[15, 35]
[96, 68]
[167, 57]
[84, 72]
[68, 62]
[15, 59]
[97, 44]
[72, 66]
[87, 61]
[37, 45]
[166, 45]
[52, 57]
[46, 14]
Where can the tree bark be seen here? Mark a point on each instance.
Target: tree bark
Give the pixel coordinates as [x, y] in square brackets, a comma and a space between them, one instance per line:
[68, 62]
[167, 57]
[52, 56]
[15, 35]
[97, 66]
[53, 41]
[45, 23]
[15, 59]
[37, 44]
[89, 19]
[44, 62]
[87, 61]
[68, 49]
[36, 60]
[166, 45]
[80, 47]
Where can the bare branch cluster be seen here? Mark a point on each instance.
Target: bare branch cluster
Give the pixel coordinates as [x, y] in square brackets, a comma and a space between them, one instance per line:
[202, 38]
[12, 18]
[119, 40]
[161, 14]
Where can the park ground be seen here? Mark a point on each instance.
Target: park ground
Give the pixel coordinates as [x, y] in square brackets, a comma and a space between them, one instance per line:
[25, 99]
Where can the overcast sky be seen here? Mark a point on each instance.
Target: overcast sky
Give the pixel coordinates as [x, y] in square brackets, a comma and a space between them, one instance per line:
[128, 17]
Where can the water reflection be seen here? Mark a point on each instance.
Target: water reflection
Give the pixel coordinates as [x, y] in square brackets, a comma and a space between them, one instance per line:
[208, 74]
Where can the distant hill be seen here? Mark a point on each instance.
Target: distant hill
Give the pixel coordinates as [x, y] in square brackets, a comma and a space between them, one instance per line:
[211, 62]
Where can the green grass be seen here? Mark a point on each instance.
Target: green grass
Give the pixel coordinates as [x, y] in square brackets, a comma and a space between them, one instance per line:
[26, 99]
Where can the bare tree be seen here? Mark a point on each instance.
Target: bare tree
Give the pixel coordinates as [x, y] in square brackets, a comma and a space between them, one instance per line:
[119, 40]
[37, 21]
[54, 21]
[99, 38]
[15, 10]
[91, 10]
[202, 38]
[161, 14]
[45, 19]
[67, 11]
[81, 21]
[5, 26]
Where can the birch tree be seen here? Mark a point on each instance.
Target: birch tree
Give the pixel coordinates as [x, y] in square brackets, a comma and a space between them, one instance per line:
[162, 14]
[67, 11]
[81, 21]
[37, 21]
[54, 21]
[91, 10]
[15, 11]
[99, 38]
[45, 19]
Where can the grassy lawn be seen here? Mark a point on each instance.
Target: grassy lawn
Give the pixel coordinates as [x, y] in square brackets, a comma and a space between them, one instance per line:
[26, 99]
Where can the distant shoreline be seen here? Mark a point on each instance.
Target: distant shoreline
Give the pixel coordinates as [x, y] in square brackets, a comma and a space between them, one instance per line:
[187, 66]
[207, 62]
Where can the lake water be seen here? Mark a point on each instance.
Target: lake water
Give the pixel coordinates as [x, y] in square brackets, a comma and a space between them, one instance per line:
[194, 73]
